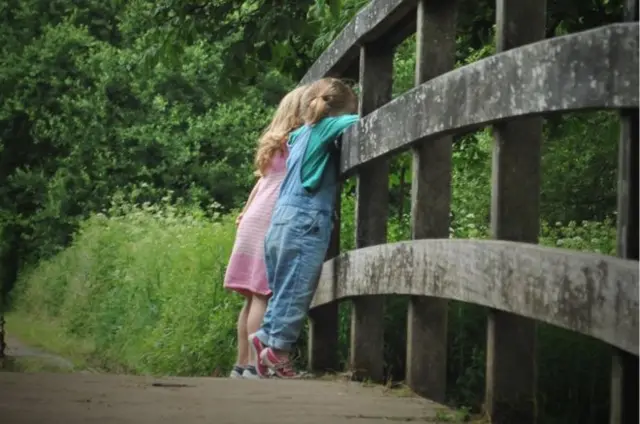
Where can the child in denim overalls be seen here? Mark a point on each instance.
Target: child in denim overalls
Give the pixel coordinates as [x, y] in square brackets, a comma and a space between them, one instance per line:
[297, 240]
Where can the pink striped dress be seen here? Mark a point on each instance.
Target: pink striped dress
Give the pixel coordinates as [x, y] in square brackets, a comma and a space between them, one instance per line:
[246, 271]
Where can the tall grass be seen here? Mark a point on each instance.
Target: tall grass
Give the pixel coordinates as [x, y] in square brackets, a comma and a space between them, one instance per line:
[145, 287]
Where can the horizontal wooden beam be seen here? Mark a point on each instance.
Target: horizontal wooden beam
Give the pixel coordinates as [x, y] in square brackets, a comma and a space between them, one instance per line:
[371, 24]
[596, 295]
[595, 69]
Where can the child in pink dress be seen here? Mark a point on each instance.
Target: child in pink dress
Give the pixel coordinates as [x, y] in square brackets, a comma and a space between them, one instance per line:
[246, 272]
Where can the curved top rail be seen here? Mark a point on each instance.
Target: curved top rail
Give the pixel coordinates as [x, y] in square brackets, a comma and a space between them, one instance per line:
[372, 21]
[596, 295]
[591, 69]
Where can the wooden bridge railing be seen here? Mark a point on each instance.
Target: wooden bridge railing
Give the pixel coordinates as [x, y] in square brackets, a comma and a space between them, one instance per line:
[518, 280]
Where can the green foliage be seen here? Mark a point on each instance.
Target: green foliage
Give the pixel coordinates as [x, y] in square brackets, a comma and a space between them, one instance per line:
[82, 119]
[144, 286]
[240, 28]
[331, 17]
[587, 236]
[580, 187]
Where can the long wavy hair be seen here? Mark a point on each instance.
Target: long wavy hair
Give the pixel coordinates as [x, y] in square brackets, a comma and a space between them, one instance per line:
[288, 117]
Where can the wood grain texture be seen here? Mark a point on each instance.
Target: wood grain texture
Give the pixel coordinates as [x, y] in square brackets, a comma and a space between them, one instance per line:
[624, 366]
[595, 69]
[426, 371]
[596, 295]
[511, 361]
[372, 209]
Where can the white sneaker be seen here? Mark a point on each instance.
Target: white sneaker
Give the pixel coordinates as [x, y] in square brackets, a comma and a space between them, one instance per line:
[250, 373]
[237, 372]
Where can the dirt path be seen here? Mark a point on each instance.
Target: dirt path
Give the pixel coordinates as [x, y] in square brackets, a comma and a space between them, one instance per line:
[16, 349]
[92, 398]
[78, 398]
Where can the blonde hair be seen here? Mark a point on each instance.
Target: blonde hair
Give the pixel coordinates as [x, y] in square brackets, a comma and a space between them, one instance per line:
[328, 97]
[287, 118]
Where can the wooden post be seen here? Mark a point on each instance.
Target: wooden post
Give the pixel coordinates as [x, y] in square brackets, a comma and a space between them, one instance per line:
[426, 371]
[624, 366]
[367, 318]
[322, 344]
[515, 215]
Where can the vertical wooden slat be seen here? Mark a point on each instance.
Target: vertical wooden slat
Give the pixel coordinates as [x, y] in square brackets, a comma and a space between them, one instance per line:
[627, 231]
[322, 345]
[625, 367]
[515, 205]
[624, 389]
[367, 318]
[430, 204]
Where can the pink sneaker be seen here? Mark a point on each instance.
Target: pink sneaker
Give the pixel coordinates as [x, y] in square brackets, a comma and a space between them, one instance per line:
[257, 347]
[281, 367]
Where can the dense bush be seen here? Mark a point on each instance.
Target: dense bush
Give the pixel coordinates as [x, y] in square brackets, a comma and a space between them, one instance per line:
[144, 285]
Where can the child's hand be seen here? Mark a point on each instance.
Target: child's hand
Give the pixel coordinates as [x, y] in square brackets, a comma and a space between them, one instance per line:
[238, 219]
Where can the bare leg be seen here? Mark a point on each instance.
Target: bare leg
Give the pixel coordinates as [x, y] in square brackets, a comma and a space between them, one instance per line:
[256, 314]
[243, 334]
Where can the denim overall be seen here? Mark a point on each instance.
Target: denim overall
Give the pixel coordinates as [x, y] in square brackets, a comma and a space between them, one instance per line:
[295, 248]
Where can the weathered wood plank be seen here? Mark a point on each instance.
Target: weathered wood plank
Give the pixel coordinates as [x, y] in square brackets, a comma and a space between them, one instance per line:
[426, 371]
[372, 208]
[628, 209]
[602, 64]
[369, 25]
[595, 295]
[511, 361]
[624, 366]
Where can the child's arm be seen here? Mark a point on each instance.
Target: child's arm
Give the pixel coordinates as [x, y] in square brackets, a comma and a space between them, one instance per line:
[322, 143]
[249, 200]
[333, 128]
